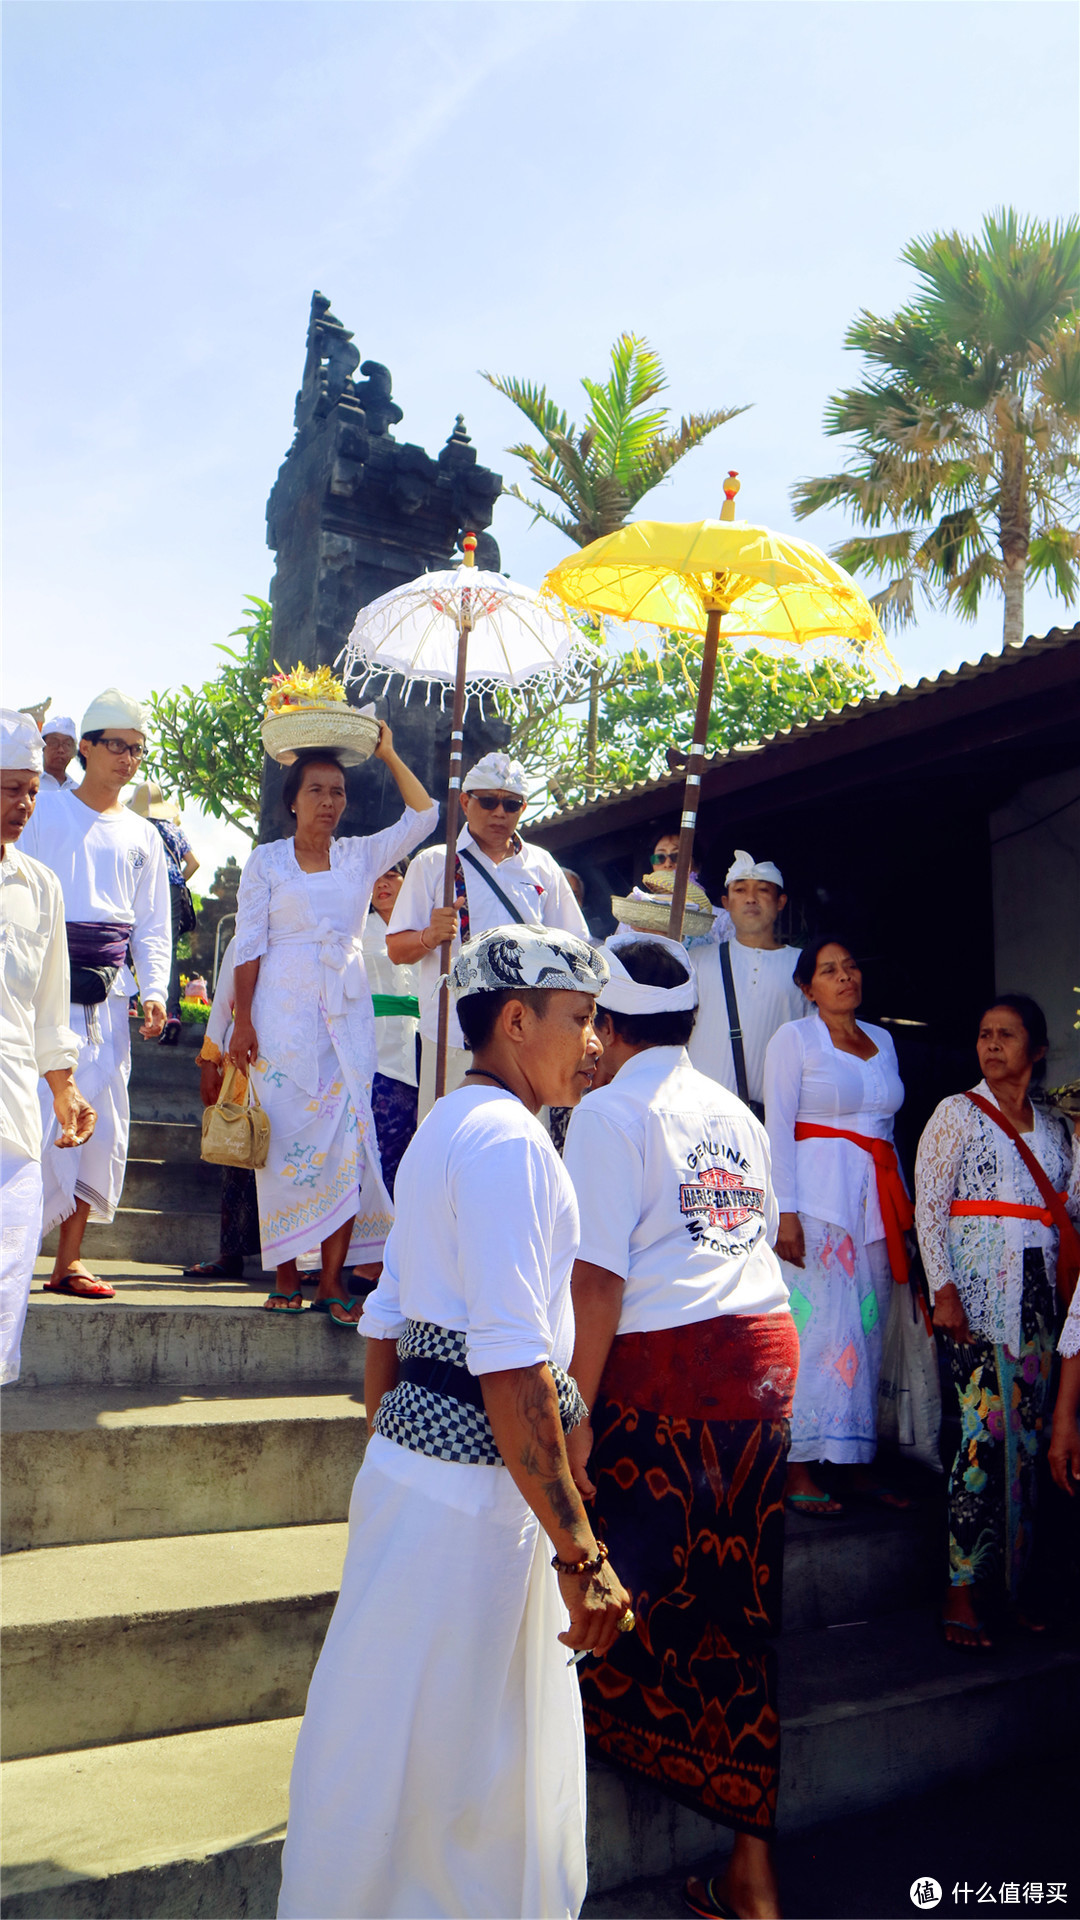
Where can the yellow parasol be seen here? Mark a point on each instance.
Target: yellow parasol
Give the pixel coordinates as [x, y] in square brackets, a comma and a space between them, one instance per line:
[708, 575]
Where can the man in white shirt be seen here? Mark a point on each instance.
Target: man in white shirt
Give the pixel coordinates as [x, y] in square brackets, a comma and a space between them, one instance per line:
[499, 880]
[686, 1354]
[440, 1768]
[741, 1009]
[58, 744]
[35, 1038]
[115, 884]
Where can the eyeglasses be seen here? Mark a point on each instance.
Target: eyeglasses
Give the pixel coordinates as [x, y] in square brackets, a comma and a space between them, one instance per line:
[492, 801]
[117, 746]
[663, 859]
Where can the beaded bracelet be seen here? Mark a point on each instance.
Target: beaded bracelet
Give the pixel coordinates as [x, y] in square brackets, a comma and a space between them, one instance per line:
[582, 1566]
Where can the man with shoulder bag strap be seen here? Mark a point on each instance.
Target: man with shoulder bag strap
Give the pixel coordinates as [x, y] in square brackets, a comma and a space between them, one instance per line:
[500, 881]
[745, 984]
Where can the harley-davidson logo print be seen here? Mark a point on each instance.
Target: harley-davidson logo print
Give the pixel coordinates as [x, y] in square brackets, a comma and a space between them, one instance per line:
[718, 1198]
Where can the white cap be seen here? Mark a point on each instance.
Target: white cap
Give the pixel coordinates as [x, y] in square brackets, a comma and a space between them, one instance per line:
[745, 867]
[60, 723]
[624, 994]
[114, 709]
[20, 742]
[496, 773]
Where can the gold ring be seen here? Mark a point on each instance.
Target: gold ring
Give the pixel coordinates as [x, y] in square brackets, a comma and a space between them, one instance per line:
[626, 1624]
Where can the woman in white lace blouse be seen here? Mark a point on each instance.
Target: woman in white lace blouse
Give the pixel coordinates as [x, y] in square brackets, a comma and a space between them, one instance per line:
[990, 1248]
[305, 1026]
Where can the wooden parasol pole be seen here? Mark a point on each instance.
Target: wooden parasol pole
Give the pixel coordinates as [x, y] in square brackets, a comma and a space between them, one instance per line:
[453, 807]
[715, 606]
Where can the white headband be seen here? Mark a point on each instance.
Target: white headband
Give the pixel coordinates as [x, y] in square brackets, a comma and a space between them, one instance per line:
[114, 709]
[20, 742]
[496, 773]
[745, 867]
[60, 723]
[623, 994]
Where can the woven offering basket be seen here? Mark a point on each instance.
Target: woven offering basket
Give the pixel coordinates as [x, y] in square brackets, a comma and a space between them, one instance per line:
[652, 916]
[352, 736]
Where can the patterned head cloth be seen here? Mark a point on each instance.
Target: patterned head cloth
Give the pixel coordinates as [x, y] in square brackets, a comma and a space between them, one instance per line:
[496, 773]
[60, 723]
[114, 709]
[624, 994]
[508, 957]
[745, 867]
[20, 742]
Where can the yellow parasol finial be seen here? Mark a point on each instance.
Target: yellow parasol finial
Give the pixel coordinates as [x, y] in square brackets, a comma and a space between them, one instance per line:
[731, 488]
[468, 548]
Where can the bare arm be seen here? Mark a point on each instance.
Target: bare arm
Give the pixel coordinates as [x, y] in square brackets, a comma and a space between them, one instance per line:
[244, 1046]
[191, 865]
[380, 1374]
[598, 1298]
[1065, 1434]
[75, 1115]
[410, 944]
[523, 1409]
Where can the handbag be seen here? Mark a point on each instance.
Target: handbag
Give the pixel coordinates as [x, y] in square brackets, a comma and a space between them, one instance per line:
[235, 1135]
[183, 909]
[1068, 1258]
[909, 1386]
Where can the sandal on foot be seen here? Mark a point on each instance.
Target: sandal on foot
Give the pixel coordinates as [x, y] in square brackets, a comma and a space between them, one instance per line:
[972, 1631]
[216, 1270]
[288, 1299]
[324, 1306]
[700, 1897]
[820, 1506]
[89, 1287]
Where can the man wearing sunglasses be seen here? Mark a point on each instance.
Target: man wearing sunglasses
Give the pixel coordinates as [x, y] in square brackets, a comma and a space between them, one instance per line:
[499, 879]
[112, 873]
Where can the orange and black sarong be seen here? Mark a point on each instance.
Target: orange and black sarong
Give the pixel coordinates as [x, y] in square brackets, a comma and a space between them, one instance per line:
[690, 1433]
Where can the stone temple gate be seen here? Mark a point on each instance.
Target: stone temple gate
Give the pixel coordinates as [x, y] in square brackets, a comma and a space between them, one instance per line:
[354, 512]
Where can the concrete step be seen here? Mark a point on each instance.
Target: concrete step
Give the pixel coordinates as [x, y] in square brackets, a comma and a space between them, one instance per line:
[85, 1464]
[191, 1824]
[871, 1561]
[134, 1638]
[164, 1082]
[172, 1186]
[150, 1237]
[165, 1140]
[164, 1331]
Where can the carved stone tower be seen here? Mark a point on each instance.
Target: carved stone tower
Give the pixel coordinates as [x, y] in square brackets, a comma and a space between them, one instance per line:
[353, 513]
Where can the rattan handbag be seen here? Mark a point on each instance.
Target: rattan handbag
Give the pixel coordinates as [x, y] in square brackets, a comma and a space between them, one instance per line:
[235, 1135]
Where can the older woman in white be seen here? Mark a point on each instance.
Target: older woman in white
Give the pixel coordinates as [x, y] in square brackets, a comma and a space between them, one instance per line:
[304, 1024]
[832, 1087]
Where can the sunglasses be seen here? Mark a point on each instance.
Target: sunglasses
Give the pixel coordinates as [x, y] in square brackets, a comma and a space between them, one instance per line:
[492, 801]
[663, 859]
[116, 746]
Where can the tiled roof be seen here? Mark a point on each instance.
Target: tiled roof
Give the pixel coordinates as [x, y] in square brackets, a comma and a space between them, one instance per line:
[991, 663]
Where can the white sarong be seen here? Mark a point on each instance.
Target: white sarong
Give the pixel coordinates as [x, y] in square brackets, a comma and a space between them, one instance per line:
[840, 1303]
[94, 1171]
[440, 1768]
[20, 1237]
[323, 1166]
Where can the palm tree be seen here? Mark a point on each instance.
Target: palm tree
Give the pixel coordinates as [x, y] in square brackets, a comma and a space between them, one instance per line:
[965, 425]
[599, 472]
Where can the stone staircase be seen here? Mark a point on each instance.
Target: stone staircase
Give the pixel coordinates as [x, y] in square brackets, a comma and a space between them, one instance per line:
[177, 1471]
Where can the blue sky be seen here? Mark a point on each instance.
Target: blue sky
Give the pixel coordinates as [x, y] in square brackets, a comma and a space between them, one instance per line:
[474, 185]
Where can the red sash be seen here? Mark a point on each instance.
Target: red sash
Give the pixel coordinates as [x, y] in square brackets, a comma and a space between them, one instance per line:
[1068, 1257]
[897, 1212]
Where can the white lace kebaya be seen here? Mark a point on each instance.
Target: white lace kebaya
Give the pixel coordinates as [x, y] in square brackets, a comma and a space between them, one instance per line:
[963, 1155]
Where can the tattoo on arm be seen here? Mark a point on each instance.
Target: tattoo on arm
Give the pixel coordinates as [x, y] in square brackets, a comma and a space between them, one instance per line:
[544, 1454]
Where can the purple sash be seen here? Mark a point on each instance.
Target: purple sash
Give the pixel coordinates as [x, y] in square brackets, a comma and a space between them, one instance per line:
[98, 943]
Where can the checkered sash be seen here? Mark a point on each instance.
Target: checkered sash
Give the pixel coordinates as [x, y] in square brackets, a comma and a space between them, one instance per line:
[444, 1427]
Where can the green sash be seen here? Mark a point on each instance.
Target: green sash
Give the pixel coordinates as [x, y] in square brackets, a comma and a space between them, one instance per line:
[400, 1003]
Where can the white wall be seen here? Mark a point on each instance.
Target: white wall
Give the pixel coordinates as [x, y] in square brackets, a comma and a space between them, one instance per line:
[1036, 868]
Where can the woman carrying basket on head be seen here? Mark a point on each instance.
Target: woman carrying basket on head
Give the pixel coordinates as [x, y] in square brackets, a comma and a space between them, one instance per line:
[997, 1196]
[305, 1026]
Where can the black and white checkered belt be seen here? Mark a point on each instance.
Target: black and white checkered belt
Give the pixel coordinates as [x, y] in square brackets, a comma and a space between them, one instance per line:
[437, 1406]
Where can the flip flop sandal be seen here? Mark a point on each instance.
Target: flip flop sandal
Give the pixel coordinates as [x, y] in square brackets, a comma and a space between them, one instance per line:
[288, 1307]
[819, 1506]
[214, 1270]
[707, 1903]
[324, 1306]
[91, 1288]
